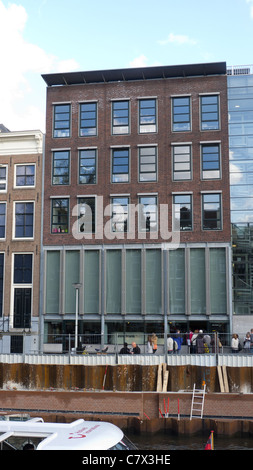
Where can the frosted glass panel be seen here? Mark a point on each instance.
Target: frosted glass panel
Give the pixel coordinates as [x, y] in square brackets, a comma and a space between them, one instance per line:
[113, 281]
[177, 281]
[218, 280]
[153, 281]
[198, 281]
[52, 282]
[133, 281]
[91, 281]
[72, 269]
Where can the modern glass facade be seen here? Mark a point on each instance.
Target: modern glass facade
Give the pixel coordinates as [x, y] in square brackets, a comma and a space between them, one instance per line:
[240, 108]
[146, 287]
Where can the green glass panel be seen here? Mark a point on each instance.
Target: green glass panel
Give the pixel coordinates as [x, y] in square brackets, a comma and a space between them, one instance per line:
[177, 281]
[52, 281]
[218, 289]
[72, 275]
[153, 281]
[113, 281]
[133, 281]
[198, 281]
[91, 281]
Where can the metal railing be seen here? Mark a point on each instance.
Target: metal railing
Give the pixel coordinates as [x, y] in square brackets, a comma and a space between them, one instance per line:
[239, 69]
[185, 343]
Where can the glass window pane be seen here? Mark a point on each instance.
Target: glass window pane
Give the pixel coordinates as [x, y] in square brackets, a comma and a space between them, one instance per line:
[113, 281]
[72, 270]
[198, 281]
[61, 120]
[153, 281]
[147, 116]
[52, 281]
[133, 281]
[177, 281]
[218, 296]
[91, 281]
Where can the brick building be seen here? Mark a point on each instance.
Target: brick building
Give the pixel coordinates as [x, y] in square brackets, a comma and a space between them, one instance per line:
[136, 202]
[21, 164]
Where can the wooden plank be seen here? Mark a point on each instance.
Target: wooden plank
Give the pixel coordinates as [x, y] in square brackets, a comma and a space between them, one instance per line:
[165, 381]
[159, 378]
[225, 379]
[220, 379]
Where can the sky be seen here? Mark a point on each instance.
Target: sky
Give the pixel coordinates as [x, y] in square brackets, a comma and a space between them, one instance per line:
[48, 36]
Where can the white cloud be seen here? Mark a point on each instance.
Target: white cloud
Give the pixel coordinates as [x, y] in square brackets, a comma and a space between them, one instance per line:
[140, 61]
[178, 39]
[22, 64]
[250, 2]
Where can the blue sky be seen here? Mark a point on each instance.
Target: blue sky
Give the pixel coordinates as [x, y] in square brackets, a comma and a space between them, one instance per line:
[47, 36]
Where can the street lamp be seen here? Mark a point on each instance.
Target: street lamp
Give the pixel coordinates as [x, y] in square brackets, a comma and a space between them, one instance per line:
[77, 286]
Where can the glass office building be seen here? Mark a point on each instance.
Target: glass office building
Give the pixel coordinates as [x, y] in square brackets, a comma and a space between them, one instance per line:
[240, 107]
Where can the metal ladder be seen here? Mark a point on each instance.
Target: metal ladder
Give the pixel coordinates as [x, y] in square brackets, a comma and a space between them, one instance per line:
[198, 398]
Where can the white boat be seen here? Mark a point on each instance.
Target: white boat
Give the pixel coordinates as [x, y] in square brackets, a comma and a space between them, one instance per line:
[35, 434]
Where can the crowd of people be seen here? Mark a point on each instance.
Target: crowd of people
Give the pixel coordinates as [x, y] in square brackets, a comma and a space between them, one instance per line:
[198, 342]
[247, 346]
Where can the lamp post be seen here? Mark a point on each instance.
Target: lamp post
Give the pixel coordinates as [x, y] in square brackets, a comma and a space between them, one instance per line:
[77, 286]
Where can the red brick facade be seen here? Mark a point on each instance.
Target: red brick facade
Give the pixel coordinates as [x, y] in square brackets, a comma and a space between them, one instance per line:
[163, 90]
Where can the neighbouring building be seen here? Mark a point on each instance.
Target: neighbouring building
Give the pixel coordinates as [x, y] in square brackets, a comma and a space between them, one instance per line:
[21, 165]
[137, 202]
[240, 108]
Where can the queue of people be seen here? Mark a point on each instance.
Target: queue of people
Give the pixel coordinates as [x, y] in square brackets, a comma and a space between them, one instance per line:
[198, 342]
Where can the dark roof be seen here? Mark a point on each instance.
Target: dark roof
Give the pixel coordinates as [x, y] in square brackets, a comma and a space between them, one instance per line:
[130, 74]
[3, 128]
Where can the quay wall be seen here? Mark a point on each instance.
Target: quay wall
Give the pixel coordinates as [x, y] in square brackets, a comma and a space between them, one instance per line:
[121, 377]
[141, 412]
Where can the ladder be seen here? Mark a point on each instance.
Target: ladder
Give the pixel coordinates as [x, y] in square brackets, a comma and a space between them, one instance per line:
[198, 398]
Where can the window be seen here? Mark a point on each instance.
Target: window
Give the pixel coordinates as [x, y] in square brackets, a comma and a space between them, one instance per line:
[209, 112]
[148, 214]
[147, 116]
[23, 268]
[88, 119]
[3, 178]
[120, 214]
[87, 214]
[1, 282]
[120, 117]
[22, 280]
[211, 206]
[61, 120]
[182, 211]
[87, 166]
[61, 167]
[181, 162]
[147, 164]
[24, 216]
[181, 114]
[25, 175]
[120, 165]
[60, 215]
[2, 219]
[210, 161]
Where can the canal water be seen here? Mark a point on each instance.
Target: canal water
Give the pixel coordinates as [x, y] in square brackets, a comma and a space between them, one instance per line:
[170, 442]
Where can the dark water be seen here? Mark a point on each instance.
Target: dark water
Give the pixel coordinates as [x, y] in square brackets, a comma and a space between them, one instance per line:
[163, 441]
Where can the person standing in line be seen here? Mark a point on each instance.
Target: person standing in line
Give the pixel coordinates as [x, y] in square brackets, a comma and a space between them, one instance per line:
[136, 349]
[200, 343]
[246, 346]
[251, 340]
[193, 342]
[149, 345]
[235, 344]
[179, 340]
[154, 342]
[170, 344]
